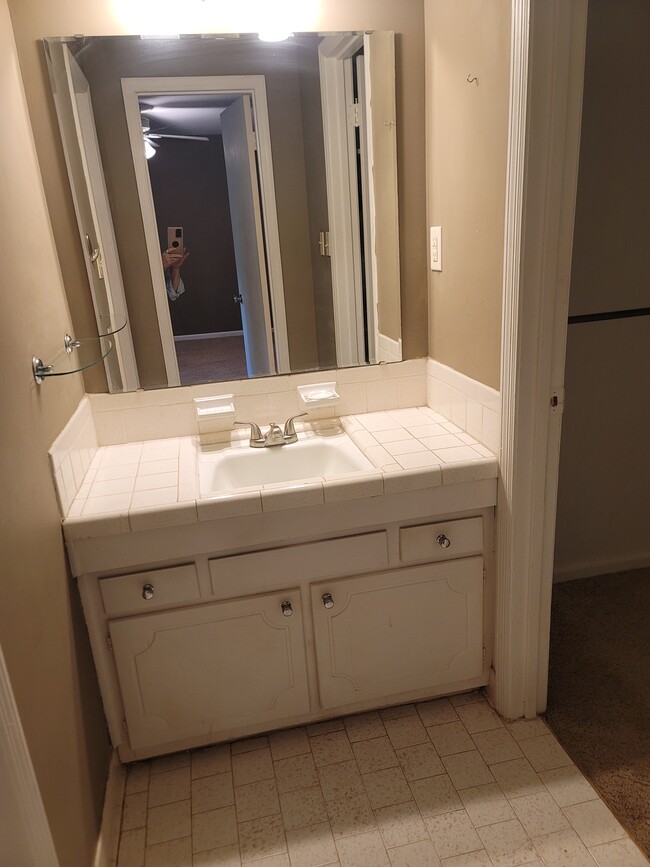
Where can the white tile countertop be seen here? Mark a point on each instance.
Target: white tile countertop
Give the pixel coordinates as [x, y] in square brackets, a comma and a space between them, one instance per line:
[153, 484]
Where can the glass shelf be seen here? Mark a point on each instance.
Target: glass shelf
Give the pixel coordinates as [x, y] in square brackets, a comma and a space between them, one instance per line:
[107, 325]
[86, 353]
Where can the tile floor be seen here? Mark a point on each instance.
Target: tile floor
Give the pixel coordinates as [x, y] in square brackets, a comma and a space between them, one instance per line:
[445, 782]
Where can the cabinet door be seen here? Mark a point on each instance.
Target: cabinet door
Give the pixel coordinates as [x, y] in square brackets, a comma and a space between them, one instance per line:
[196, 671]
[399, 631]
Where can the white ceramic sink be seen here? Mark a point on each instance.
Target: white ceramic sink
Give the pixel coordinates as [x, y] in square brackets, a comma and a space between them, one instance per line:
[224, 468]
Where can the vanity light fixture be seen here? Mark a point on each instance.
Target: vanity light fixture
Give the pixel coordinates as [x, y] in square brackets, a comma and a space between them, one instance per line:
[274, 34]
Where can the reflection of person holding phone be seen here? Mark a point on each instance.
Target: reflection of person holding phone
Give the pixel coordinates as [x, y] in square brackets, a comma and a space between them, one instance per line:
[171, 262]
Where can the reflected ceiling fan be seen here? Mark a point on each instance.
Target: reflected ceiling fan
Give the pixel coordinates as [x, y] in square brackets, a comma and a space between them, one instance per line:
[151, 142]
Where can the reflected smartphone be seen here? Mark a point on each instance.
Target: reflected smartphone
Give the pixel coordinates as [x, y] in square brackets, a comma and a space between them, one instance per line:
[175, 240]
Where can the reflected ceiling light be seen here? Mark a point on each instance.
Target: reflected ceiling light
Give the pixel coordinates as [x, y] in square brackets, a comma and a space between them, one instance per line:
[274, 34]
[149, 151]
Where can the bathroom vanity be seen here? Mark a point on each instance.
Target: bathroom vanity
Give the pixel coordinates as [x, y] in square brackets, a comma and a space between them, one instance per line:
[208, 626]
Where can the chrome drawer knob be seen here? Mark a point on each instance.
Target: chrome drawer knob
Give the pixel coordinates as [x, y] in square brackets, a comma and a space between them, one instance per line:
[287, 609]
[443, 541]
[147, 592]
[328, 602]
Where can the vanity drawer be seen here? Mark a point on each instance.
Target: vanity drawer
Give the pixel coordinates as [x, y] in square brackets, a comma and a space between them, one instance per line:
[126, 594]
[429, 541]
[284, 567]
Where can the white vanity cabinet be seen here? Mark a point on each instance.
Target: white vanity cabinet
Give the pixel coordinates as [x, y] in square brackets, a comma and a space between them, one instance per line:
[388, 604]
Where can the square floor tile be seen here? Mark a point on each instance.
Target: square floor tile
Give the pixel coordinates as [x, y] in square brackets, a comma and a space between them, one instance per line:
[137, 778]
[253, 766]
[374, 755]
[478, 717]
[296, 772]
[435, 795]
[449, 738]
[472, 859]
[453, 834]
[517, 778]
[292, 742]
[169, 786]
[544, 753]
[341, 780]
[328, 749]
[210, 793]
[170, 763]
[214, 760]
[397, 711]
[134, 811]
[467, 769]
[507, 844]
[303, 807]
[350, 816]
[497, 745]
[594, 823]
[256, 800]
[421, 854]
[539, 814]
[364, 850]
[617, 853]
[436, 712]
[486, 805]
[564, 849]
[169, 822]
[175, 853]
[224, 856]
[312, 847]
[248, 745]
[420, 761]
[521, 729]
[387, 787]
[476, 695]
[406, 731]
[214, 829]
[363, 726]
[324, 728]
[131, 851]
[260, 838]
[400, 824]
[568, 786]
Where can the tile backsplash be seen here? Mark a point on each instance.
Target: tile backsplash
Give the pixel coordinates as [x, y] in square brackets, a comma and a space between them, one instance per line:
[474, 407]
[72, 453]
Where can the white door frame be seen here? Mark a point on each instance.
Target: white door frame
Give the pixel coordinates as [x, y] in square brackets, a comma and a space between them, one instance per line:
[254, 85]
[333, 52]
[547, 68]
[24, 828]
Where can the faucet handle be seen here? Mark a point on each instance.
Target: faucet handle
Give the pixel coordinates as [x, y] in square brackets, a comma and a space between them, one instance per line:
[256, 433]
[289, 429]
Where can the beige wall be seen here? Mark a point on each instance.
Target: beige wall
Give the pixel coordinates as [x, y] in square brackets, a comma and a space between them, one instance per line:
[42, 631]
[604, 488]
[34, 19]
[467, 125]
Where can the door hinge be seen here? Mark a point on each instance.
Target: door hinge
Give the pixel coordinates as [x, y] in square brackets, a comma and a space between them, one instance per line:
[484, 574]
[252, 139]
[353, 114]
[324, 243]
[100, 267]
[109, 642]
[557, 400]
[484, 653]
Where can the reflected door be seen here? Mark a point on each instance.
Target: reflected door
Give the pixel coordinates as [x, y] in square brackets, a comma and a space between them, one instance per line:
[239, 144]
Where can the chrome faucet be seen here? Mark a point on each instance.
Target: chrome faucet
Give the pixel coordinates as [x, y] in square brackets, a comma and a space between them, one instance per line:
[274, 436]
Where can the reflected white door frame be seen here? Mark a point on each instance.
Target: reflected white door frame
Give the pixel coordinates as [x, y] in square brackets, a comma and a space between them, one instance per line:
[253, 85]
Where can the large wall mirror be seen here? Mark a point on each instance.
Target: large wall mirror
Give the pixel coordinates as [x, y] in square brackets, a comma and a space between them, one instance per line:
[236, 199]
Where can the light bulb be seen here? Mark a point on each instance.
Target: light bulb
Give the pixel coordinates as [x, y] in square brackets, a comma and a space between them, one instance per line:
[272, 34]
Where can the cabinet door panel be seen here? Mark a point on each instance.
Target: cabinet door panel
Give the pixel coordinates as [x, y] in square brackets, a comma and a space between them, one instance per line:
[190, 672]
[399, 631]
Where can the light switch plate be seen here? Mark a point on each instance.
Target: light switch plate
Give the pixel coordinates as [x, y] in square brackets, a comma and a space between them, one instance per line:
[435, 247]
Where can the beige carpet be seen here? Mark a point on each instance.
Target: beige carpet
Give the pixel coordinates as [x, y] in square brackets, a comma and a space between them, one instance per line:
[599, 689]
[211, 360]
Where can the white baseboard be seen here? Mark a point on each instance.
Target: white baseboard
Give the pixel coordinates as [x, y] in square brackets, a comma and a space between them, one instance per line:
[209, 335]
[109, 833]
[601, 567]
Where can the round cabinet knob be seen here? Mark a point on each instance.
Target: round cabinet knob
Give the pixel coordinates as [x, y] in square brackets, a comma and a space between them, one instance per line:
[443, 541]
[287, 609]
[328, 602]
[147, 592]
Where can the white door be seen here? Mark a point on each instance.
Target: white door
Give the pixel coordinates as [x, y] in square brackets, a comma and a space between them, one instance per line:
[210, 669]
[74, 110]
[399, 632]
[239, 144]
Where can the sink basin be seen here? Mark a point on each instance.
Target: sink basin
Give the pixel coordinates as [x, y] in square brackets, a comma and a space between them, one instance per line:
[224, 468]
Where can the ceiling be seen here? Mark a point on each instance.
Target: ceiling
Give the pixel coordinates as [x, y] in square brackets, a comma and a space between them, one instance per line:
[186, 114]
